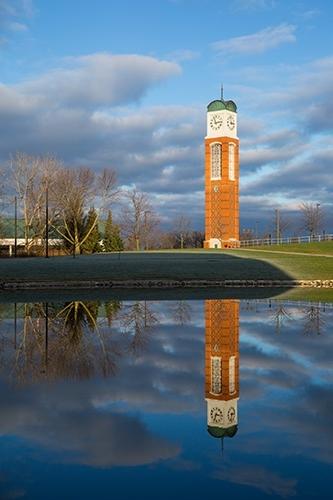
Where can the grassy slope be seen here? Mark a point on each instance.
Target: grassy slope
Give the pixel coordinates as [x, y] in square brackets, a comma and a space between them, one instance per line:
[323, 247]
[200, 264]
[297, 266]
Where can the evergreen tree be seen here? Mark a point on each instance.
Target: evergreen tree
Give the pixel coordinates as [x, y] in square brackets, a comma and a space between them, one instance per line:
[107, 241]
[92, 242]
[117, 243]
[112, 240]
[111, 309]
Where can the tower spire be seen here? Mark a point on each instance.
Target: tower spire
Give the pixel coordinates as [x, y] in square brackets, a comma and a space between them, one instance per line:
[221, 91]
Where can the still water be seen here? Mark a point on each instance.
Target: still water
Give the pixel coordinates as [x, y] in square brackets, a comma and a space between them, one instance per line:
[154, 399]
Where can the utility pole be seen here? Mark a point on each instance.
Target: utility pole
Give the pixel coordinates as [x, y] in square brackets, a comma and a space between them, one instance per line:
[46, 222]
[317, 217]
[146, 228]
[15, 226]
[277, 212]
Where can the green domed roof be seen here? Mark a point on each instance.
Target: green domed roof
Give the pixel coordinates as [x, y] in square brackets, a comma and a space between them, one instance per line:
[231, 106]
[220, 432]
[219, 104]
[216, 105]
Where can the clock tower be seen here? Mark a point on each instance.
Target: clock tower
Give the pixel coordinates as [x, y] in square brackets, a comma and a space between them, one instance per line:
[222, 366]
[221, 176]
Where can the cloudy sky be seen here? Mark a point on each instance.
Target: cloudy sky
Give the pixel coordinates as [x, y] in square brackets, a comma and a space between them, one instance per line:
[126, 84]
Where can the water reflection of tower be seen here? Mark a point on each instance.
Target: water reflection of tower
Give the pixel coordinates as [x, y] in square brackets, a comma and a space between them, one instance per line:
[222, 366]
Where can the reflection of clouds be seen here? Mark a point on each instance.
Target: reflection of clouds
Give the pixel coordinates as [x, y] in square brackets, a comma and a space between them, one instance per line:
[257, 477]
[161, 379]
[183, 464]
[86, 435]
[286, 387]
[284, 394]
[85, 420]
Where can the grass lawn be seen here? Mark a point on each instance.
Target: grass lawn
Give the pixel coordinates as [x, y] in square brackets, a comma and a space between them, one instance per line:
[171, 265]
[322, 247]
[296, 266]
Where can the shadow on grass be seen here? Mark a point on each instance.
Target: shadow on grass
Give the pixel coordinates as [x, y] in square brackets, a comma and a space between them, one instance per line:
[142, 265]
[174, 266]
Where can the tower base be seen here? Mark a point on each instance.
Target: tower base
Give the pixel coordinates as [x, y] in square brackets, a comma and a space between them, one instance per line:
[217, 243]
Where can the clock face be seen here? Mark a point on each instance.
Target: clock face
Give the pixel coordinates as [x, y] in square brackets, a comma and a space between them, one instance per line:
[231, 414]
[216, 189]
[216, 415]
[216, 121]
[231, 122]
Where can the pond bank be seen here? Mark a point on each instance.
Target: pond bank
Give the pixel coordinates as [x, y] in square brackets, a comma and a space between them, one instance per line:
[164, 284]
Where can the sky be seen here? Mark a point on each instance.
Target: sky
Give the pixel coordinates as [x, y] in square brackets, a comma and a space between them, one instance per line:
[125, 85]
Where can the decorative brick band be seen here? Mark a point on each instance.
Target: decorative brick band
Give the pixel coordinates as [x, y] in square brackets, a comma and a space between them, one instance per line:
[154, 283]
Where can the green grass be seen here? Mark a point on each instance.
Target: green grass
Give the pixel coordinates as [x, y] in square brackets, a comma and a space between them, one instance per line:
[295, 266]
[177, 265]
[322, 247]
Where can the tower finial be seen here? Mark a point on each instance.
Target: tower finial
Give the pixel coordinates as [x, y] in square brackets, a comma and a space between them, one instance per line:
[221, 91]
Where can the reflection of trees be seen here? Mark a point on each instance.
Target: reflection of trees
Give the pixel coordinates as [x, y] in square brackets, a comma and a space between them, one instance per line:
[138, 320]
[111, 310]
[81, 354]
[280, 315]
[63, 341]
[30, 342]
[313, 320]
[73, 340]
[181, 312]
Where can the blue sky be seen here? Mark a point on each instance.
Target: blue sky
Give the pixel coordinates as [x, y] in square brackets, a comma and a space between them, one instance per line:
[126, 84]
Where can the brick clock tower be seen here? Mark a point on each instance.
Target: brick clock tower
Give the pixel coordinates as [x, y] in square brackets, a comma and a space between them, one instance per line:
[221, 176]
[222, 366]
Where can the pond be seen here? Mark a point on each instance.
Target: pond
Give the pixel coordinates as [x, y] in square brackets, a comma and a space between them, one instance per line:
[160, 399]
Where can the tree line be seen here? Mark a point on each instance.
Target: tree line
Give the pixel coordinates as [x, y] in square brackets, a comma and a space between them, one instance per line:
[76, 207]
[311, 222]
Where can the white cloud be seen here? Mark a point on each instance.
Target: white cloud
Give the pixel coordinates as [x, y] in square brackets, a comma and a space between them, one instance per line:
[101, 79]
[11, 13]
[18, 27]
[257, 43]
[258, 477]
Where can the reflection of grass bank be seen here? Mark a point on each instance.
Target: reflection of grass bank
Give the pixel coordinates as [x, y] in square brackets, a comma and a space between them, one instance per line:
[307, 294]
[122, 294]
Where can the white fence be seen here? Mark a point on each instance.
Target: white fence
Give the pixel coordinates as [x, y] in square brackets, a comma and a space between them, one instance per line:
[290, 239]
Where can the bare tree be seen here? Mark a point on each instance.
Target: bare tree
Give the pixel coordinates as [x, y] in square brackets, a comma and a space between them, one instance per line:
[31, 177]
[139, 220]
[281, 224]
[77, 190]
[312, 217]
[246, 234]
[182, 230]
